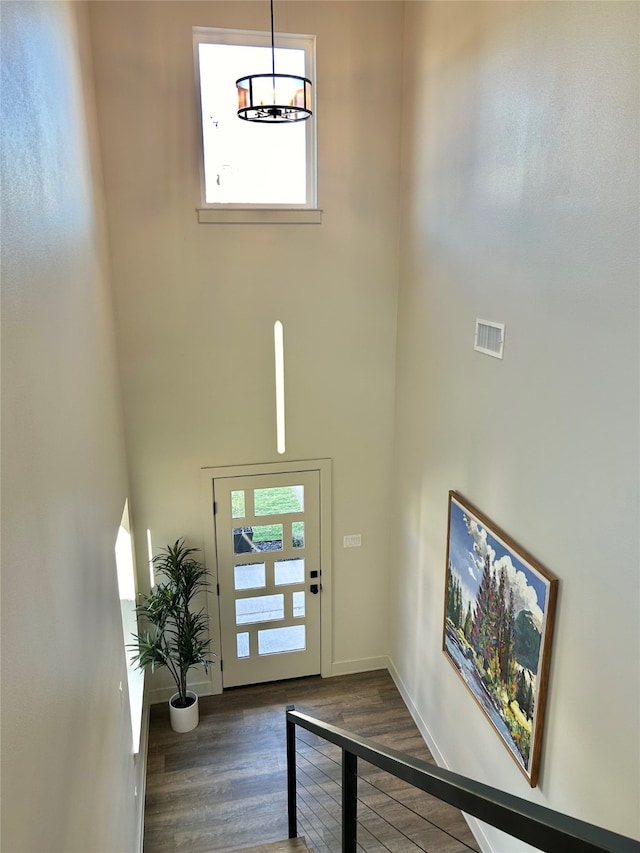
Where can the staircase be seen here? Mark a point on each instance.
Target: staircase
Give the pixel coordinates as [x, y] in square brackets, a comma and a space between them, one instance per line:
[536, 825]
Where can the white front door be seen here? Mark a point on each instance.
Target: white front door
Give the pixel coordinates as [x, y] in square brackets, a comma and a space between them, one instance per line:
[268, 555]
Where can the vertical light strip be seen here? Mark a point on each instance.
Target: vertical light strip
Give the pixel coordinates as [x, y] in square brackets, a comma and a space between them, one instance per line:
[278, 346]
[152, 577]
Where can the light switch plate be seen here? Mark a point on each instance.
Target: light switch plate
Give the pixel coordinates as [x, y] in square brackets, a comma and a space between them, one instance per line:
[354, 540]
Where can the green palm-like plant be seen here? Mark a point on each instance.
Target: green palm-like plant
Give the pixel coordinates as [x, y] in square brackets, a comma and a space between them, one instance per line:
[173, 635]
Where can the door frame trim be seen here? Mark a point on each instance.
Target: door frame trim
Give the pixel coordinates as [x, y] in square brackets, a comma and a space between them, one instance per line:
[208, 475]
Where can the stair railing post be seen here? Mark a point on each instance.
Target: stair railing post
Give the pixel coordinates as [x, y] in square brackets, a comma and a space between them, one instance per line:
[349, 801]
[292, 795]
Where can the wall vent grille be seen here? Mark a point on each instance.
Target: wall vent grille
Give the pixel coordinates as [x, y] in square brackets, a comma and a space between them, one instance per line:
[489, 338]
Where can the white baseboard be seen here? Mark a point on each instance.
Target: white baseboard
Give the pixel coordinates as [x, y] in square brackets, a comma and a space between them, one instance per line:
[474, 825]
[349, 667]
[420, 723]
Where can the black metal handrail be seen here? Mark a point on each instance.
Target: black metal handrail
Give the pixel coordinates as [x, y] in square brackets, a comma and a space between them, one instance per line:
[536, 825]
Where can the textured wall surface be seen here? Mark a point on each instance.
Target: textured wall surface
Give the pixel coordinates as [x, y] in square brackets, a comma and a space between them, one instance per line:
[197, 303]
[68, 773]
[520, 205]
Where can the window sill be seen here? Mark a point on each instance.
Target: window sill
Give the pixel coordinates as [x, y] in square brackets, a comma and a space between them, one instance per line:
[259, 216]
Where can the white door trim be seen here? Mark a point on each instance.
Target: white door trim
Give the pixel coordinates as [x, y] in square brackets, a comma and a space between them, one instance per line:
[208, 475]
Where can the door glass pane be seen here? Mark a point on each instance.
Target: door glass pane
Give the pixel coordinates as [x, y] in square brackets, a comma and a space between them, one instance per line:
[297, 534]
[237, 504]
[262, 608]
[298, 604]
[249, 575]
[267, 537]
[242, 642]
[288, 571]
[242, 540]
[278, 500]
[274, 640]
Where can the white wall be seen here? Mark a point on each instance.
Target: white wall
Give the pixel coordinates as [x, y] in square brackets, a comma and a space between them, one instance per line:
[196, 303]
[68, 774]
[520, 204]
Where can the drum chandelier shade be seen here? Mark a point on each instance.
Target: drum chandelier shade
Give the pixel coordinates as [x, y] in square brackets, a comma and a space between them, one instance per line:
[274, 98]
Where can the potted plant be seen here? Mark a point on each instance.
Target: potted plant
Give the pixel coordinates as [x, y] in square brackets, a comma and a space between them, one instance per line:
[173, 635]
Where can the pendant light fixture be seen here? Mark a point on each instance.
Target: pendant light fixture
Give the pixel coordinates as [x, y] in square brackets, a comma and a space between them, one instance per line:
[274, 98]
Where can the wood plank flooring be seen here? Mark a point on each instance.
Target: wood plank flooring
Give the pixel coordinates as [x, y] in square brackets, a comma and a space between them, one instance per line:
[222, 787]
[291, 845]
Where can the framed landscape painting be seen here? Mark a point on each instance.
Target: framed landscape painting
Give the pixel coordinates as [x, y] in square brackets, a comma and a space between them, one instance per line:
[498, 623]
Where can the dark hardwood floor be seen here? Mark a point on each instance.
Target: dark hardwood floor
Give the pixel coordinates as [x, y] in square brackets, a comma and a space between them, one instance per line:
[222, 787]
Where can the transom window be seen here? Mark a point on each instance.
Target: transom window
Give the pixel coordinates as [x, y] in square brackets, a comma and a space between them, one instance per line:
[247, 164]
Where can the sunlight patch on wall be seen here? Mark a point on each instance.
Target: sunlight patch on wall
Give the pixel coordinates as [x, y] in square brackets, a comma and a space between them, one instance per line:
[127, 590]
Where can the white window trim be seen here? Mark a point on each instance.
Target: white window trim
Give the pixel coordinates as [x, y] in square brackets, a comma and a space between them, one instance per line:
[259, 216]
[210, 213]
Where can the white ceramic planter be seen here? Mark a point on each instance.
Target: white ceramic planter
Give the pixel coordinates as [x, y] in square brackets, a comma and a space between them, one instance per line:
[184, 719]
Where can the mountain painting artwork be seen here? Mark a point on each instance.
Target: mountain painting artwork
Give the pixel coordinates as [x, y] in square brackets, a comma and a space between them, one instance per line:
[498, 623]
